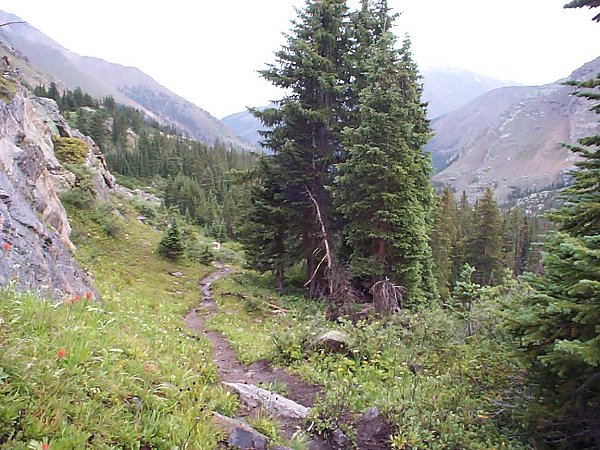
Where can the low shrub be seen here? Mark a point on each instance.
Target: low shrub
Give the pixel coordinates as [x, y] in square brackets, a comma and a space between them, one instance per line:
[70, 150]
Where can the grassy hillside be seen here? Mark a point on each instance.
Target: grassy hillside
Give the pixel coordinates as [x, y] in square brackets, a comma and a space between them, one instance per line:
[118, 372]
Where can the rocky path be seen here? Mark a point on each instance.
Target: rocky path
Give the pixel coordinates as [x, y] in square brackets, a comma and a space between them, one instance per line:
[232, 372]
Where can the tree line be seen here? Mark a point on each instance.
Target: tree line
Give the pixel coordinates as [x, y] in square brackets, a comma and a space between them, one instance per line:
[486, 238]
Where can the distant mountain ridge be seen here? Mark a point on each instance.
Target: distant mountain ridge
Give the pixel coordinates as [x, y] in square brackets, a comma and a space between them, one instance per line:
[511, 138]
[445, 90]
[128, 85]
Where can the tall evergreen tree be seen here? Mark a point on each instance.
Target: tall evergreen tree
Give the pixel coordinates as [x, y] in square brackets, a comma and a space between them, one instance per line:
[558, 324]
[264, 229]
[305, 125]
[54, 94]
[383, 188]
[464, 228]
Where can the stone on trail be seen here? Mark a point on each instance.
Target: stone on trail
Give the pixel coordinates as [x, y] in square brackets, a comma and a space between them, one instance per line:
[273, 403]
[240, 435]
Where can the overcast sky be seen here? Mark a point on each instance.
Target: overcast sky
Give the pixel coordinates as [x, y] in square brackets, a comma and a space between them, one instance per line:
[209, 51]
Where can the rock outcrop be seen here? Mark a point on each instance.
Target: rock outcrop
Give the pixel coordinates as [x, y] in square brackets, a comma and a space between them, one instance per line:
[35, 251]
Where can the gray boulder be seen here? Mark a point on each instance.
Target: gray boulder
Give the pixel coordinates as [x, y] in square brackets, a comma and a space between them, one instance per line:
[240, 435]
[333, 341]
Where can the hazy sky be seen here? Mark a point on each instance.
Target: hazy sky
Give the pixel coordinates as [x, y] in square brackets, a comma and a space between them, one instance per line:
[209, 51]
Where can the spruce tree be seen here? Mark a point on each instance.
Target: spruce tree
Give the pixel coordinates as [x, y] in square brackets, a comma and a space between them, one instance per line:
[464, 228]
[558, 323]
[382, 188]
[305, 125]
[443, 240]
[484, 245]
[171, 245]
[264, 230]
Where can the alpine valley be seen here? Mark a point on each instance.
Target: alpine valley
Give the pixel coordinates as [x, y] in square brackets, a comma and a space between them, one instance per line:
[382, 258]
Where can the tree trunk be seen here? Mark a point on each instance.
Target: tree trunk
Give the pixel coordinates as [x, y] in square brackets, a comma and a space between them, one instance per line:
[280, 279]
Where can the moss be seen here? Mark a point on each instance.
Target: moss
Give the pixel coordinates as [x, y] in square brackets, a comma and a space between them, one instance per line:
[8, 90]
[70, 150]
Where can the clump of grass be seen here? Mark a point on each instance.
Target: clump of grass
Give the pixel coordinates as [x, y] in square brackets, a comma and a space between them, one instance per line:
[266, 425]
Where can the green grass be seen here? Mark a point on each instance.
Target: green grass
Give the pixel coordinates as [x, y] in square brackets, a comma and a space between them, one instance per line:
[130, 376]
[122, 373]
[248, 333]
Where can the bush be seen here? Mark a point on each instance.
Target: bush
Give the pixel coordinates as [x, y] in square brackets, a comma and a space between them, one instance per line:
[70, 150]
[7, 90]
[81, 195]
[200, 253]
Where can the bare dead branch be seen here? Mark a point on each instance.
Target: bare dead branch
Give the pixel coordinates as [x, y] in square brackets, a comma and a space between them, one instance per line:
[323, 229]
[316, 271]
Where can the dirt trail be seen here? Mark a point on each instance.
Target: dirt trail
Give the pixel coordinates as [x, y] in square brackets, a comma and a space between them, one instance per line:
[231, 370]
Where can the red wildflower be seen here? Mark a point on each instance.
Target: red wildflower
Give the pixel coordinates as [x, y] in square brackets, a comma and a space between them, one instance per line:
[75, 298]
[45, 446]
[61, 353]
[6, 246]
[89, 295]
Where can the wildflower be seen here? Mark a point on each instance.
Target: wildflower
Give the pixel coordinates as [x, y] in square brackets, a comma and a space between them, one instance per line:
[61, 353]
[6, 246]
[89, 295]
[75, 298]
[45, 446]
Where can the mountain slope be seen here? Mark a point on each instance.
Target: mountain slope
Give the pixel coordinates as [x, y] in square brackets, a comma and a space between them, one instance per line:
[444, 90]
[127, 85]
[510, 138]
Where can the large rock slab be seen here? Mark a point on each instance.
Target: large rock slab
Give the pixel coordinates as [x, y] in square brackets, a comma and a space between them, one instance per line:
[273, 403]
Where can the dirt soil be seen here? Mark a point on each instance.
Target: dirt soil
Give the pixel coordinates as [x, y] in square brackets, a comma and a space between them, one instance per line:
[371, 436]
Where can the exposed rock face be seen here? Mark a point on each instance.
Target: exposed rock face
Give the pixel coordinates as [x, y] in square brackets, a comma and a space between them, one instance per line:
[511, 139]
[34, 229]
